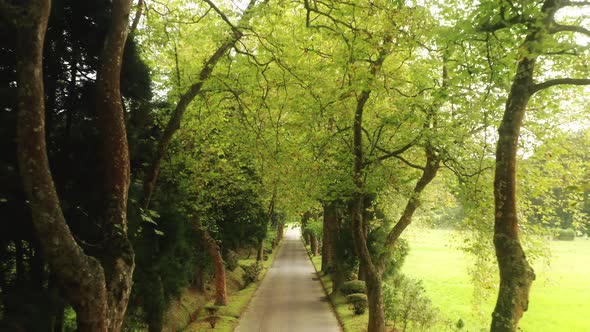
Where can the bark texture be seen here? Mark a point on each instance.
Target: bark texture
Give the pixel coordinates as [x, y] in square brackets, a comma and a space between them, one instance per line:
[516, 275]
[314, 244]
[98, 293]
[260, 251]
[118, 257]
[215, 253]
[331, 230]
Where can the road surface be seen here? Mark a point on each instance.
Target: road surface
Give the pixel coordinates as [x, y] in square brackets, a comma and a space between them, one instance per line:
[290, 297]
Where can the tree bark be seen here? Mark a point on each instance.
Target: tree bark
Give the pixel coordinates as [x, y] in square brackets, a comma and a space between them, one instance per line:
[279, 235]
[118, 257]
[215, 253]
[83, 275]
[428, 174]
[331, 229]
[99, 298]
[314, 244]
[304, 232]
[373, 279]
[516, 275]
[260, 251]
[153, 170]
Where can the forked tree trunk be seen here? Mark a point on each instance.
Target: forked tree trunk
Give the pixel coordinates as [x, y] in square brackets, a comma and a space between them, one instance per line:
[215, 253]
[99, 299]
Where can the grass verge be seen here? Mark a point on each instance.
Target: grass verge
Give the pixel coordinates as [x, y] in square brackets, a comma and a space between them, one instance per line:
[238, 300]
[349, 322]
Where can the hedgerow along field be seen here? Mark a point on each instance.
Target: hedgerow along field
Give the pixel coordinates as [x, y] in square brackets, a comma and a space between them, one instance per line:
[560, 295]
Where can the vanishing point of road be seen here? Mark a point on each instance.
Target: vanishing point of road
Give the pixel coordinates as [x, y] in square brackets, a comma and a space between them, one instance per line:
[290, 297]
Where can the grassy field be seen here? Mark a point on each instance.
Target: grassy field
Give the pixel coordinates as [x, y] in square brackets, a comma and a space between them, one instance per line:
[560, 296]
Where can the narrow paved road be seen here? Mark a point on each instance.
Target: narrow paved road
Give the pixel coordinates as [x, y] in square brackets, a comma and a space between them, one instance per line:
[290, 297]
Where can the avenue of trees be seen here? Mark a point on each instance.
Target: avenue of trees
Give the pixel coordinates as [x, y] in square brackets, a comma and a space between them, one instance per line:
[146, 143]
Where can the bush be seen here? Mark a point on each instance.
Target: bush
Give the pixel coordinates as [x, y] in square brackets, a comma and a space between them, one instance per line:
[251, 273]
[359, 303]
[231, 260]
[406, 303]
[354, 286]
[565, 234]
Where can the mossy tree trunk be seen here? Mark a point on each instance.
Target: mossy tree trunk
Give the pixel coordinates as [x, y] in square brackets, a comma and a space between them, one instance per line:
[216, 258]
[98, 289]
[516, 274]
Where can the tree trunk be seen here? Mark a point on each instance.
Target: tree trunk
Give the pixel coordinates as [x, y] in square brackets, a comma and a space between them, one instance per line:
[153, 170]
[331, 228]
[314, 244]
[99, 298]
[279, 236]
[428, 174]
[373, 280]
[304, 232]
[118, 257]
[516, 275]
[260, 251]
[218, 265]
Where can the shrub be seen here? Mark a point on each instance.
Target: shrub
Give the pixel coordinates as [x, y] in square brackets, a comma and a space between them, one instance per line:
[251, 273]
[231, 260]
[406, 303]
[565, 234]
[354, 286]
[358, 302]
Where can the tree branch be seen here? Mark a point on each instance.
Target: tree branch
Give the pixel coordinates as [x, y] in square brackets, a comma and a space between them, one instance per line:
[138, 13]
[560, 81]
[389, 154]
[575, 3]
[223, 17]
[569, 28]
[405, 161]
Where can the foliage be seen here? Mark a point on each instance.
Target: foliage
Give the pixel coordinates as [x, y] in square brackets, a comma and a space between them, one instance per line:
[315, 226]
[353, 286]
[406, 303]
[565, 234]
[358, 302]
[251, 272]
[231, 260]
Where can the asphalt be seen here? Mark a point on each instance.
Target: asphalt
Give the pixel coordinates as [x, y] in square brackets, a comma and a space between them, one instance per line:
[290, 297]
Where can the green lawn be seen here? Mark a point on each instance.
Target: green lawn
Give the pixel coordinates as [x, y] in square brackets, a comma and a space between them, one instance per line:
[560, 296]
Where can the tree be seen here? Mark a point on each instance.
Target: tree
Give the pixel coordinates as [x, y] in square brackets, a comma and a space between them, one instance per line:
[516, 274]
[98, 288]
[151, 174]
